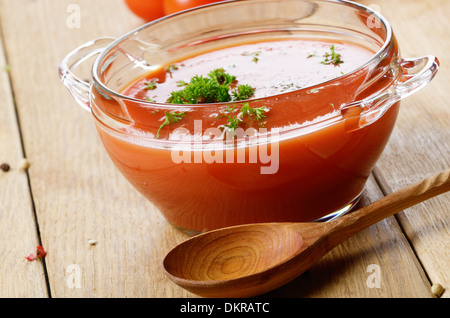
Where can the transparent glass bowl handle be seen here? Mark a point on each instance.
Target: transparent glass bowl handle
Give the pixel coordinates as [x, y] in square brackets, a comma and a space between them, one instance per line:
[80, 88]
[416, 73]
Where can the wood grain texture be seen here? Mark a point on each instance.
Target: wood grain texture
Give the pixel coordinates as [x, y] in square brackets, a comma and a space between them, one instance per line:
[420, 144]
[18, 232]
[79, 195]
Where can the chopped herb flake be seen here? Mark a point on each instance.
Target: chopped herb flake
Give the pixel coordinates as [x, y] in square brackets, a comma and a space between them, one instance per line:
[229, 109]
[254, 54]
[332, 57]
[171, 118]
[233, 122]
[172, 67]
[151, 85]
[246, 110]
[181, 83]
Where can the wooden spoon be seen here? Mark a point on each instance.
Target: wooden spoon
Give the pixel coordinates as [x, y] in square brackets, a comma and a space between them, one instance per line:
[249, 260]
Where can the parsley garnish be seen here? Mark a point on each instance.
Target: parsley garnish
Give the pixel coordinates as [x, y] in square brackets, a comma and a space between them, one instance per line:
[172, 67]
[254, 54]
[233, 122]
[221, 77]
[181, 83]
[151, 85]
[171, 118]
[229, 109]
[332, 58]
[243, 92]
[201, 90]
[245, 111]
[214, 88]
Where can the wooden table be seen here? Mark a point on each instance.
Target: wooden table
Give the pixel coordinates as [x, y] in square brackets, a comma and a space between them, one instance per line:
[105, 240]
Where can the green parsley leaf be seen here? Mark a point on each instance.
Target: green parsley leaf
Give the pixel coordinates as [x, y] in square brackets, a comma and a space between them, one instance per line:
[332, 58]
[181, 83]
[172, 67]
[243, 92]
[229, 109]
[171, 118]
[259, 112]
[221, 77]
[233, 122]
[246, 111]
[254, 54]
[151, 85]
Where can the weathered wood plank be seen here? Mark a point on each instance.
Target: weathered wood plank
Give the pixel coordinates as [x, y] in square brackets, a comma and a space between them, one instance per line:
[18, 232]
[420, 145]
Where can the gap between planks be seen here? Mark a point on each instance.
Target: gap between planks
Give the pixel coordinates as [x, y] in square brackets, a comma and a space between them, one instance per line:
[10, 84]
[384, 187]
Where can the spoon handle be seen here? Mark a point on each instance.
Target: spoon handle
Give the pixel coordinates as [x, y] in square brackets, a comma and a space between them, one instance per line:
[391, 204]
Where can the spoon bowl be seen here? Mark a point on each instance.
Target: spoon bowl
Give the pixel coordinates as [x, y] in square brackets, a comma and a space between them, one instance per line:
[235, 253]
[255, 257]
[252, 259]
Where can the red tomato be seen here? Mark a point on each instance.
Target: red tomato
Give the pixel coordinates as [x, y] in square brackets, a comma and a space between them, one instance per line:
[146, 9]
[172, 6]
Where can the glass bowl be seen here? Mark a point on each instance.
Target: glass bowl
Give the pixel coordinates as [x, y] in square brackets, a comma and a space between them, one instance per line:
[309, 166]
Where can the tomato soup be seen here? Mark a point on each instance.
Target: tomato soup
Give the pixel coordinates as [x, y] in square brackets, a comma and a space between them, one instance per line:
[254, 157]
